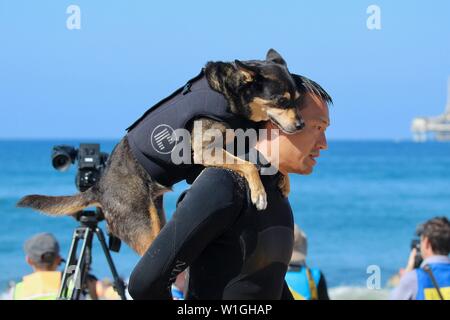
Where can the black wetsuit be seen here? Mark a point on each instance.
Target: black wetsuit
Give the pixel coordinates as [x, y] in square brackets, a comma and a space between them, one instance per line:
[233, 251]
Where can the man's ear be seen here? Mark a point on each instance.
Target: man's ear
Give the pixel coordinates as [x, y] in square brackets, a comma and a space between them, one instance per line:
[247, 71]
[58, 261]
[29, 261]
[275, 57]
[427, 243]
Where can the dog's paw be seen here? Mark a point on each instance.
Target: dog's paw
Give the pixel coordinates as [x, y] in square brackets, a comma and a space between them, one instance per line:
[260, 201]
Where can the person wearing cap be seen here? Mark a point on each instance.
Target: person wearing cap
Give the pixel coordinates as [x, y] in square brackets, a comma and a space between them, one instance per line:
[431, 280]
[42, 254]
[305, 283]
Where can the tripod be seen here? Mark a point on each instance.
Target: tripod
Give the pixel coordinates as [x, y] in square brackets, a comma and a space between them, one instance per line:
[76, 272]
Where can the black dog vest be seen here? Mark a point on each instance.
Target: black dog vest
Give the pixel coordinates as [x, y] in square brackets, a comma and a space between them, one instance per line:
[150, 137]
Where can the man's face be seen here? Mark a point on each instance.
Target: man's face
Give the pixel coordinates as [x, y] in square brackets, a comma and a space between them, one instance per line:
[298, 152]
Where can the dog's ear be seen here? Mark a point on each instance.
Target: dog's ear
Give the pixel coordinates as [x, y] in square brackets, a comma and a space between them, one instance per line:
[248, 72]
[275, 57]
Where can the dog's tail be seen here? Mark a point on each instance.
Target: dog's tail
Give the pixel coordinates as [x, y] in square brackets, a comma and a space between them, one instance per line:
[59, 206]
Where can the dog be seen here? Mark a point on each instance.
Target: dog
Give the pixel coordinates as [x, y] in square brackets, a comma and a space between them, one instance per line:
[131, 188]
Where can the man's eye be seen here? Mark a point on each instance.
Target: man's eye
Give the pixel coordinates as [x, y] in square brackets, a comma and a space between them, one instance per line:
[320, 128]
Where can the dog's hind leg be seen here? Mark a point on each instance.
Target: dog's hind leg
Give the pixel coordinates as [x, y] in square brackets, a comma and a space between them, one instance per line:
[157, 220]
[128, 200]
[137, 226]
[142, 239]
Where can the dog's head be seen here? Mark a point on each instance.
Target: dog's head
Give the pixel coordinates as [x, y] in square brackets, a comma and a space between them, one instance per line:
[268, 92]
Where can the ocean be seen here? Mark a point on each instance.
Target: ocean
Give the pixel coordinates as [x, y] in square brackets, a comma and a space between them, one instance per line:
[359, 208]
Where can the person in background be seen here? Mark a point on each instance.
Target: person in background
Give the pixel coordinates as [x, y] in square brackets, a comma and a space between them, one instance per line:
[42, 254]
[305, 283]
[105, 290]
[430, 280]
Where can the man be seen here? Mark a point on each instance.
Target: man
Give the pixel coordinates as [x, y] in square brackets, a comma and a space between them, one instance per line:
[234, 251]
[305, 283]
[42, 254]
[420, 283]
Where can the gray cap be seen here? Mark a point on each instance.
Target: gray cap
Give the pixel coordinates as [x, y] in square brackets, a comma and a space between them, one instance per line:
[42, 248]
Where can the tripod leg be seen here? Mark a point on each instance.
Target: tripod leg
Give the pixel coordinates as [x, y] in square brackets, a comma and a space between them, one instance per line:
[118, 283]
[63, 291]
[80, 271]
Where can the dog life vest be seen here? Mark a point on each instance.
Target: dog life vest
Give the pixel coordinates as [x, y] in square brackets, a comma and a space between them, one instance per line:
[151, 137]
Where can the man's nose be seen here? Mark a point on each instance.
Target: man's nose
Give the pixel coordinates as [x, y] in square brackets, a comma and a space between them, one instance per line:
[322, 143]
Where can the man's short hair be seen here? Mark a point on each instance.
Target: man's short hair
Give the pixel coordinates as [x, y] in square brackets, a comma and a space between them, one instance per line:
[45, 265]
[305, 85]
[437, 230]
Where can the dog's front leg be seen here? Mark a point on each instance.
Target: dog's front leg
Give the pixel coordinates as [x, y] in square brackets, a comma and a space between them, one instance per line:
[209, 153]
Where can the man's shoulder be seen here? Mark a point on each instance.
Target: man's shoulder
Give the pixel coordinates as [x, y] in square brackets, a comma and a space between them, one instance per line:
[220, 177]
[223, 184]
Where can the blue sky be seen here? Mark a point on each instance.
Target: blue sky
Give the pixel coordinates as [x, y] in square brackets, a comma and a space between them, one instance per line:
[94, 82]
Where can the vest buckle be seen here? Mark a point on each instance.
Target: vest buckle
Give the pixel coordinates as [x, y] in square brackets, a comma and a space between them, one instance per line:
[186, 89]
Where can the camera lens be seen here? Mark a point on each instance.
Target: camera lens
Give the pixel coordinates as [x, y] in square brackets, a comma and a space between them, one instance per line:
[63, 157]
[61, 162]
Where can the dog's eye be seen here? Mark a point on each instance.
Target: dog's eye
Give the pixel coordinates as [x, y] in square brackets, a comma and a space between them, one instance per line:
[283, 101]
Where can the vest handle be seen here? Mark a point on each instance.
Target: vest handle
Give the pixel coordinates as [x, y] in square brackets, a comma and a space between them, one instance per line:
[312, 285]
[433, 280]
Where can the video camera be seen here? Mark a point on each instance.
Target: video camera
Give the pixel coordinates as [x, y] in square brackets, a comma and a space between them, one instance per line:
[91, 162]
[415, 244]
